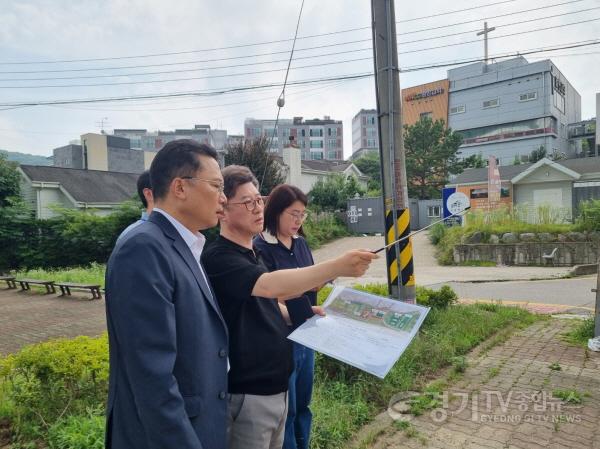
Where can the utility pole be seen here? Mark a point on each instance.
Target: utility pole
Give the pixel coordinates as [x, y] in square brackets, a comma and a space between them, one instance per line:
[485, 33]
[400, 270]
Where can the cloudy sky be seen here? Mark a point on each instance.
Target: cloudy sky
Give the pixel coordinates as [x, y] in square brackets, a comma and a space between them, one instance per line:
[56, 50]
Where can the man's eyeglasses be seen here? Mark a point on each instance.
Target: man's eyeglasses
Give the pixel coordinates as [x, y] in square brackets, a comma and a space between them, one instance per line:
[216, 184]
[298, 216]
[251, 204]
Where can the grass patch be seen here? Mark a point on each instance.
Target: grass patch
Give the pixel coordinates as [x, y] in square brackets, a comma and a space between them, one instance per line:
[93, 274]
[569, 396]
[410, 431]
[498, 223]
[581, 333]
[555, 366]
[477, 263]
[493, 372]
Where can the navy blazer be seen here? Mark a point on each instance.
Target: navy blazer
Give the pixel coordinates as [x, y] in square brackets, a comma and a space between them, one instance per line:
[168, 345]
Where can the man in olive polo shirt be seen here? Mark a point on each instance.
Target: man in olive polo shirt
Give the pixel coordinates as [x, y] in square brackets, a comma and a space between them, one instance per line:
[259, 352]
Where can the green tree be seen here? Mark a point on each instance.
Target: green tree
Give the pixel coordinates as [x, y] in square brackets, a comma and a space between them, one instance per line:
[537, 154]
[370, 165]
[332, 194]
[9, 180]
[474, 161]
[431, 157]
[255, 155]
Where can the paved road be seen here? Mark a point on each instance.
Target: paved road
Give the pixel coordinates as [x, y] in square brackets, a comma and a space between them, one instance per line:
[427, 270]
[573, 292]
[476, 283]
[30, 317]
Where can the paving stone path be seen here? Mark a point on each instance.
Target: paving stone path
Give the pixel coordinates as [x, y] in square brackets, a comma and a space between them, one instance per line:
[32, 317]
[506, 400]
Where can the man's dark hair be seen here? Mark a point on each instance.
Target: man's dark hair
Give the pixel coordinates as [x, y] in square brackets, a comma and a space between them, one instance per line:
[235, 176]
[280, 198]
[176, 159]
[143, 182]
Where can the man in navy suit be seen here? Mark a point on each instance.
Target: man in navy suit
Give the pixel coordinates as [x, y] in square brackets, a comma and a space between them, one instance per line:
[168, 341]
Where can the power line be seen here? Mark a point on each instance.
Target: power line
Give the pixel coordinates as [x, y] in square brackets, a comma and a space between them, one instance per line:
[204, 93]
[208, 106]
[228, 75]
[201, 69]
[242, 45]
[281, 52]
[455, 11]
[501, 56]
[187, 70]
[500, 37]
[221, 91]
[281, 99]
[500, 26]
[522, 11]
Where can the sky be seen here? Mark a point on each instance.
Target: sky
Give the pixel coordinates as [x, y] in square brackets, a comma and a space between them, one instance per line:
[57, 50]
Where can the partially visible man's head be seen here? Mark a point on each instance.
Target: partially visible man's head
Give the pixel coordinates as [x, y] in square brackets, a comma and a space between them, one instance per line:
[235, 176]
[177, 159]
[244, 211]
[186, 178]
[144, 190]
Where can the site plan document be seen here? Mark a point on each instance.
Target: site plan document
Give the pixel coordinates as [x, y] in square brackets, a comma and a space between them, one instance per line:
[363, 330]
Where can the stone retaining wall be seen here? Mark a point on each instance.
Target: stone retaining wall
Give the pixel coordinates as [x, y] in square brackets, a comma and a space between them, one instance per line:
[529, 253]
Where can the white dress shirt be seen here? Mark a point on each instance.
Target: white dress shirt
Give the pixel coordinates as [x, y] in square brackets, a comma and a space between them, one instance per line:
[194, 241]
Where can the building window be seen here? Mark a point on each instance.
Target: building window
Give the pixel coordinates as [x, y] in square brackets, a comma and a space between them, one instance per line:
[371, 143]
[528, 96]
[460, 109]
[332, 143]
[433, 211]
[316, 144]
[423, 115]
[332, 155]
[317, 132]
[559, 101]
[303, 133]
[316, 155]
[493, 103]
[479, 193]
[547, 125]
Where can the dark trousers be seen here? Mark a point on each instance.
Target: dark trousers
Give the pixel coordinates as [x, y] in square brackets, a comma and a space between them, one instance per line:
[299, 418]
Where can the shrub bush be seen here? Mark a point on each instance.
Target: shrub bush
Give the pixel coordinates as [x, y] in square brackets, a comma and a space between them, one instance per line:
[53, 380]
[79, 432]
[70, 239]
[323, 228]
[438, 299]
[437, 232]
[589, 215]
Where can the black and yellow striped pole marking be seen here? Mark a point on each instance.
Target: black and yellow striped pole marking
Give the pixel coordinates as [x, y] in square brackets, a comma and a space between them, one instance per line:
[399, 257]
